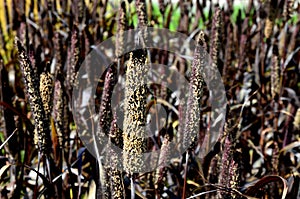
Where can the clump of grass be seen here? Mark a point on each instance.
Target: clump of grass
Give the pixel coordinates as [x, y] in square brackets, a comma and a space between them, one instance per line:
[256, 49]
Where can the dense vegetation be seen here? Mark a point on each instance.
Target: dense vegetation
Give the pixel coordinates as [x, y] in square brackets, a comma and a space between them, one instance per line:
[255, 47]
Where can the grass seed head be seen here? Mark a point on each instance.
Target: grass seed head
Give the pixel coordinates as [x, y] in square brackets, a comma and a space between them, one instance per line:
[46, 89]
[58, 110]
[135, 118]
[42, 130]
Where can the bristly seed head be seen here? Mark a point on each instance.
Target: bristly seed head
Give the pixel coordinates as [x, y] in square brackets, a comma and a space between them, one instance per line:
[46, 89]
[134, 118]
[42, 131]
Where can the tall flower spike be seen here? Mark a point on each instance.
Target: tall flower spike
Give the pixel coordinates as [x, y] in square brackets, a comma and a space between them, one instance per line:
[105, 119]
[73, 57]
[116, 179]
[57, 54]
[214, 51]
[229, 175]
[141, 10]
[185, 7]
[163, 161]
[120, 29]
[58, 111]
[228, 53]
[105, 113]
[195, 92]
[32, 86]
[268, 31]
[268, 27]
[224, 176]
[234, 177]
[46, 88]
[143, 21]
[215, 38]
[134, 108]
[275, 79]
[282, 42]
